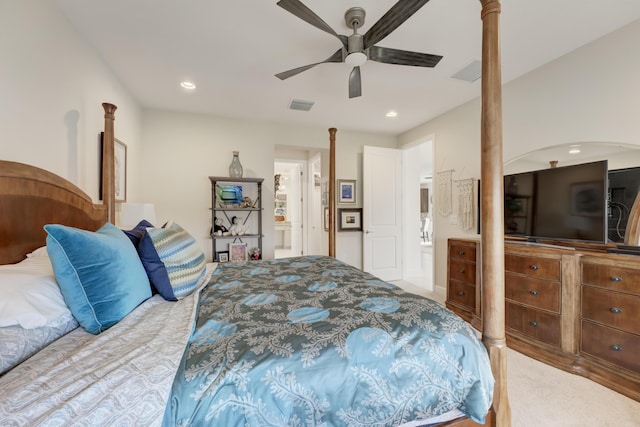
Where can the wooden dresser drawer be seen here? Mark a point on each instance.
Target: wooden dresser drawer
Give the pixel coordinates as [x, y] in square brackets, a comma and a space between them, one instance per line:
[537, 324]
[543, 268]
[615, 309]
[462, 271]
[462, 293]
[612, 345]
[544, 294]
[465, 252]
[612, 277]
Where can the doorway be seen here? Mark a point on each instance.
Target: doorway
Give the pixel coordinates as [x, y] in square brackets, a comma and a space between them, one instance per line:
[289, 207]
[300, 175]
[418, 215]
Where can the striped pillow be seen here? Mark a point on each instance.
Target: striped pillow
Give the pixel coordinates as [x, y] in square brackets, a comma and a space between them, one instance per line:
[172, 259]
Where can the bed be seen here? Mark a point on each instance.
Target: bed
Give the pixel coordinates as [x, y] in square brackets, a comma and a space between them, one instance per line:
[246, 343]
[306, 339]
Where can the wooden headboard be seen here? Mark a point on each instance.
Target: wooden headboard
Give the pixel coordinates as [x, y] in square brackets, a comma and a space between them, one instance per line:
[31, 197]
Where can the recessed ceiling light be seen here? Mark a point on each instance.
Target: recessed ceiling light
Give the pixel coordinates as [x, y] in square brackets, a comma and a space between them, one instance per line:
[574, 151]
[188, 85]
[392, 113]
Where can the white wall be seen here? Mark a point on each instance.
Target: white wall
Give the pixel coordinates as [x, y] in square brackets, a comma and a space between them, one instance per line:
[52, 86]
[591, 94]
[182, 150]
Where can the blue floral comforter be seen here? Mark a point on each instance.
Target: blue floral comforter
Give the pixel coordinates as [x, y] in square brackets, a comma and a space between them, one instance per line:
[311, 341]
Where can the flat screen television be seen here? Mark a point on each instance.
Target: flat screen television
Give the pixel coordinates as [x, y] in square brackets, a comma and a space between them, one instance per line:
[562, 203]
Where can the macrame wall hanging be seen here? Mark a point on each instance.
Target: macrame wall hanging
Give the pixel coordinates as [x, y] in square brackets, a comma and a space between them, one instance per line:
[444, 192]
[465, 203]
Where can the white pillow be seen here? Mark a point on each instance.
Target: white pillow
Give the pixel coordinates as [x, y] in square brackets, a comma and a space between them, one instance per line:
[31, 297]
[41, 251]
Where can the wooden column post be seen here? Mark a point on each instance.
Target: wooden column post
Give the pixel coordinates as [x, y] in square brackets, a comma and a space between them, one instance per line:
[332, 191]
[108, 168]
[492, 233]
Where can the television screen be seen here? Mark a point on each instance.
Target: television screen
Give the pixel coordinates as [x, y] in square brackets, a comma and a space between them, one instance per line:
[563, 203]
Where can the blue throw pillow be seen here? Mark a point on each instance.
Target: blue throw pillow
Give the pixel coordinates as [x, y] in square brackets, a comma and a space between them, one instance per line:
[173, 260]
[100, 275]
[136, 233]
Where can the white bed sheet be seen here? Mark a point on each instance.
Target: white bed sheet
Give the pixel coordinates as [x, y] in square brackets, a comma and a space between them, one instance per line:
[121, 377]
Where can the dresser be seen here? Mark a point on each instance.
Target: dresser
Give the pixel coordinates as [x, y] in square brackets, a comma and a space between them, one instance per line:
[610, 319]
[462, 278]
[574, 308]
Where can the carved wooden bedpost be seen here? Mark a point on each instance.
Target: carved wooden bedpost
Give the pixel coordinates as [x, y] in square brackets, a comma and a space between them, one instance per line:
[492, 209]
[108, 170]
[332, 191]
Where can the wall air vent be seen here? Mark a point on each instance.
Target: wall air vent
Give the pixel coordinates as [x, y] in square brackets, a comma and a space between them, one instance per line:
[301, 105]
[470, 73]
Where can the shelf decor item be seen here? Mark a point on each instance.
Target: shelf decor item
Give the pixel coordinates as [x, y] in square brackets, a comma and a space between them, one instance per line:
[235, 168]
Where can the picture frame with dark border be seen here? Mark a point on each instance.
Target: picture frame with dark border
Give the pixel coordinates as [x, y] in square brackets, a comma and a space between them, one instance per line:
[350, 219]
[222, 256]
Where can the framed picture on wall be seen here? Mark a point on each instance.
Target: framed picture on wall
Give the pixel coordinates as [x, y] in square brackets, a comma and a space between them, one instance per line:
[119, 166]
[326, 219]
[346, 191]
[350, 219]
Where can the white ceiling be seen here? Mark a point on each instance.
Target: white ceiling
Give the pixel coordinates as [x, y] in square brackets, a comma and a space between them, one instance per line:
[232, 49]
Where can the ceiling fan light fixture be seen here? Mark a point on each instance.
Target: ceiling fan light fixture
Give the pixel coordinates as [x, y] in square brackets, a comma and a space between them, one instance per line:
[356, 59]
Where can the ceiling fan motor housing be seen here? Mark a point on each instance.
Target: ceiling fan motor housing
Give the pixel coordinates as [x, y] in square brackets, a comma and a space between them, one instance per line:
[356, 54]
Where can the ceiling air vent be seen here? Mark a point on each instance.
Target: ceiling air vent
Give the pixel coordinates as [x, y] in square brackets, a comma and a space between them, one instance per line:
[301, 105]
[470, 73]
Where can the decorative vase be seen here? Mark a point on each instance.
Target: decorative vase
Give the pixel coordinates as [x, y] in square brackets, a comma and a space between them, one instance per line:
[235, 168]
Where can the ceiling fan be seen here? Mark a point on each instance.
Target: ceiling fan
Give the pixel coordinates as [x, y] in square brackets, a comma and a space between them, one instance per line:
[357, 48]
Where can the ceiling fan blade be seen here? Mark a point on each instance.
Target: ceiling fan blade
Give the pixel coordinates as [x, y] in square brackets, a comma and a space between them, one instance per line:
[297, 8]
[336, 57]
[355, 85]
[399, 12]
[403, 57]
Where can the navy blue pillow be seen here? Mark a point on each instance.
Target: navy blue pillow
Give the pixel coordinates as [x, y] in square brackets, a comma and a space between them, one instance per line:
[172, 259]
[136, 233]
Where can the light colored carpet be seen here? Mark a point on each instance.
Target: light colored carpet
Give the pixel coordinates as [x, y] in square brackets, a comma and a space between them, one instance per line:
[543, 396]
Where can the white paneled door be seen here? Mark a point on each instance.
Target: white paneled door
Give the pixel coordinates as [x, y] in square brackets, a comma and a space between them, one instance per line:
[382, 212]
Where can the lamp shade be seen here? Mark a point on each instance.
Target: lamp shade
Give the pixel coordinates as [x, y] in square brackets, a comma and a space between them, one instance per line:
[132, 213]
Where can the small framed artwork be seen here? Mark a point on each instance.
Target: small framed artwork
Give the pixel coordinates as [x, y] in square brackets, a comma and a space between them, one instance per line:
[237, 252]
[119, 168]
[350, 219]
[326, 219]
[223, 256]
[120, 165]
[346, 191]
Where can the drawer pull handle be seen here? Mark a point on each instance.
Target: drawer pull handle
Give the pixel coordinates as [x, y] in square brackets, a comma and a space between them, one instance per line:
[616, 279]
[461, 271]
[615, 310]
[534, 293]
[534, 323]
[460, 252]
[534, 267]
[616, 347]
[461, 293]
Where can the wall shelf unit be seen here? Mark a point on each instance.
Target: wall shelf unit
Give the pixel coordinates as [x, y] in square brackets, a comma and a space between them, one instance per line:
[251, 216]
